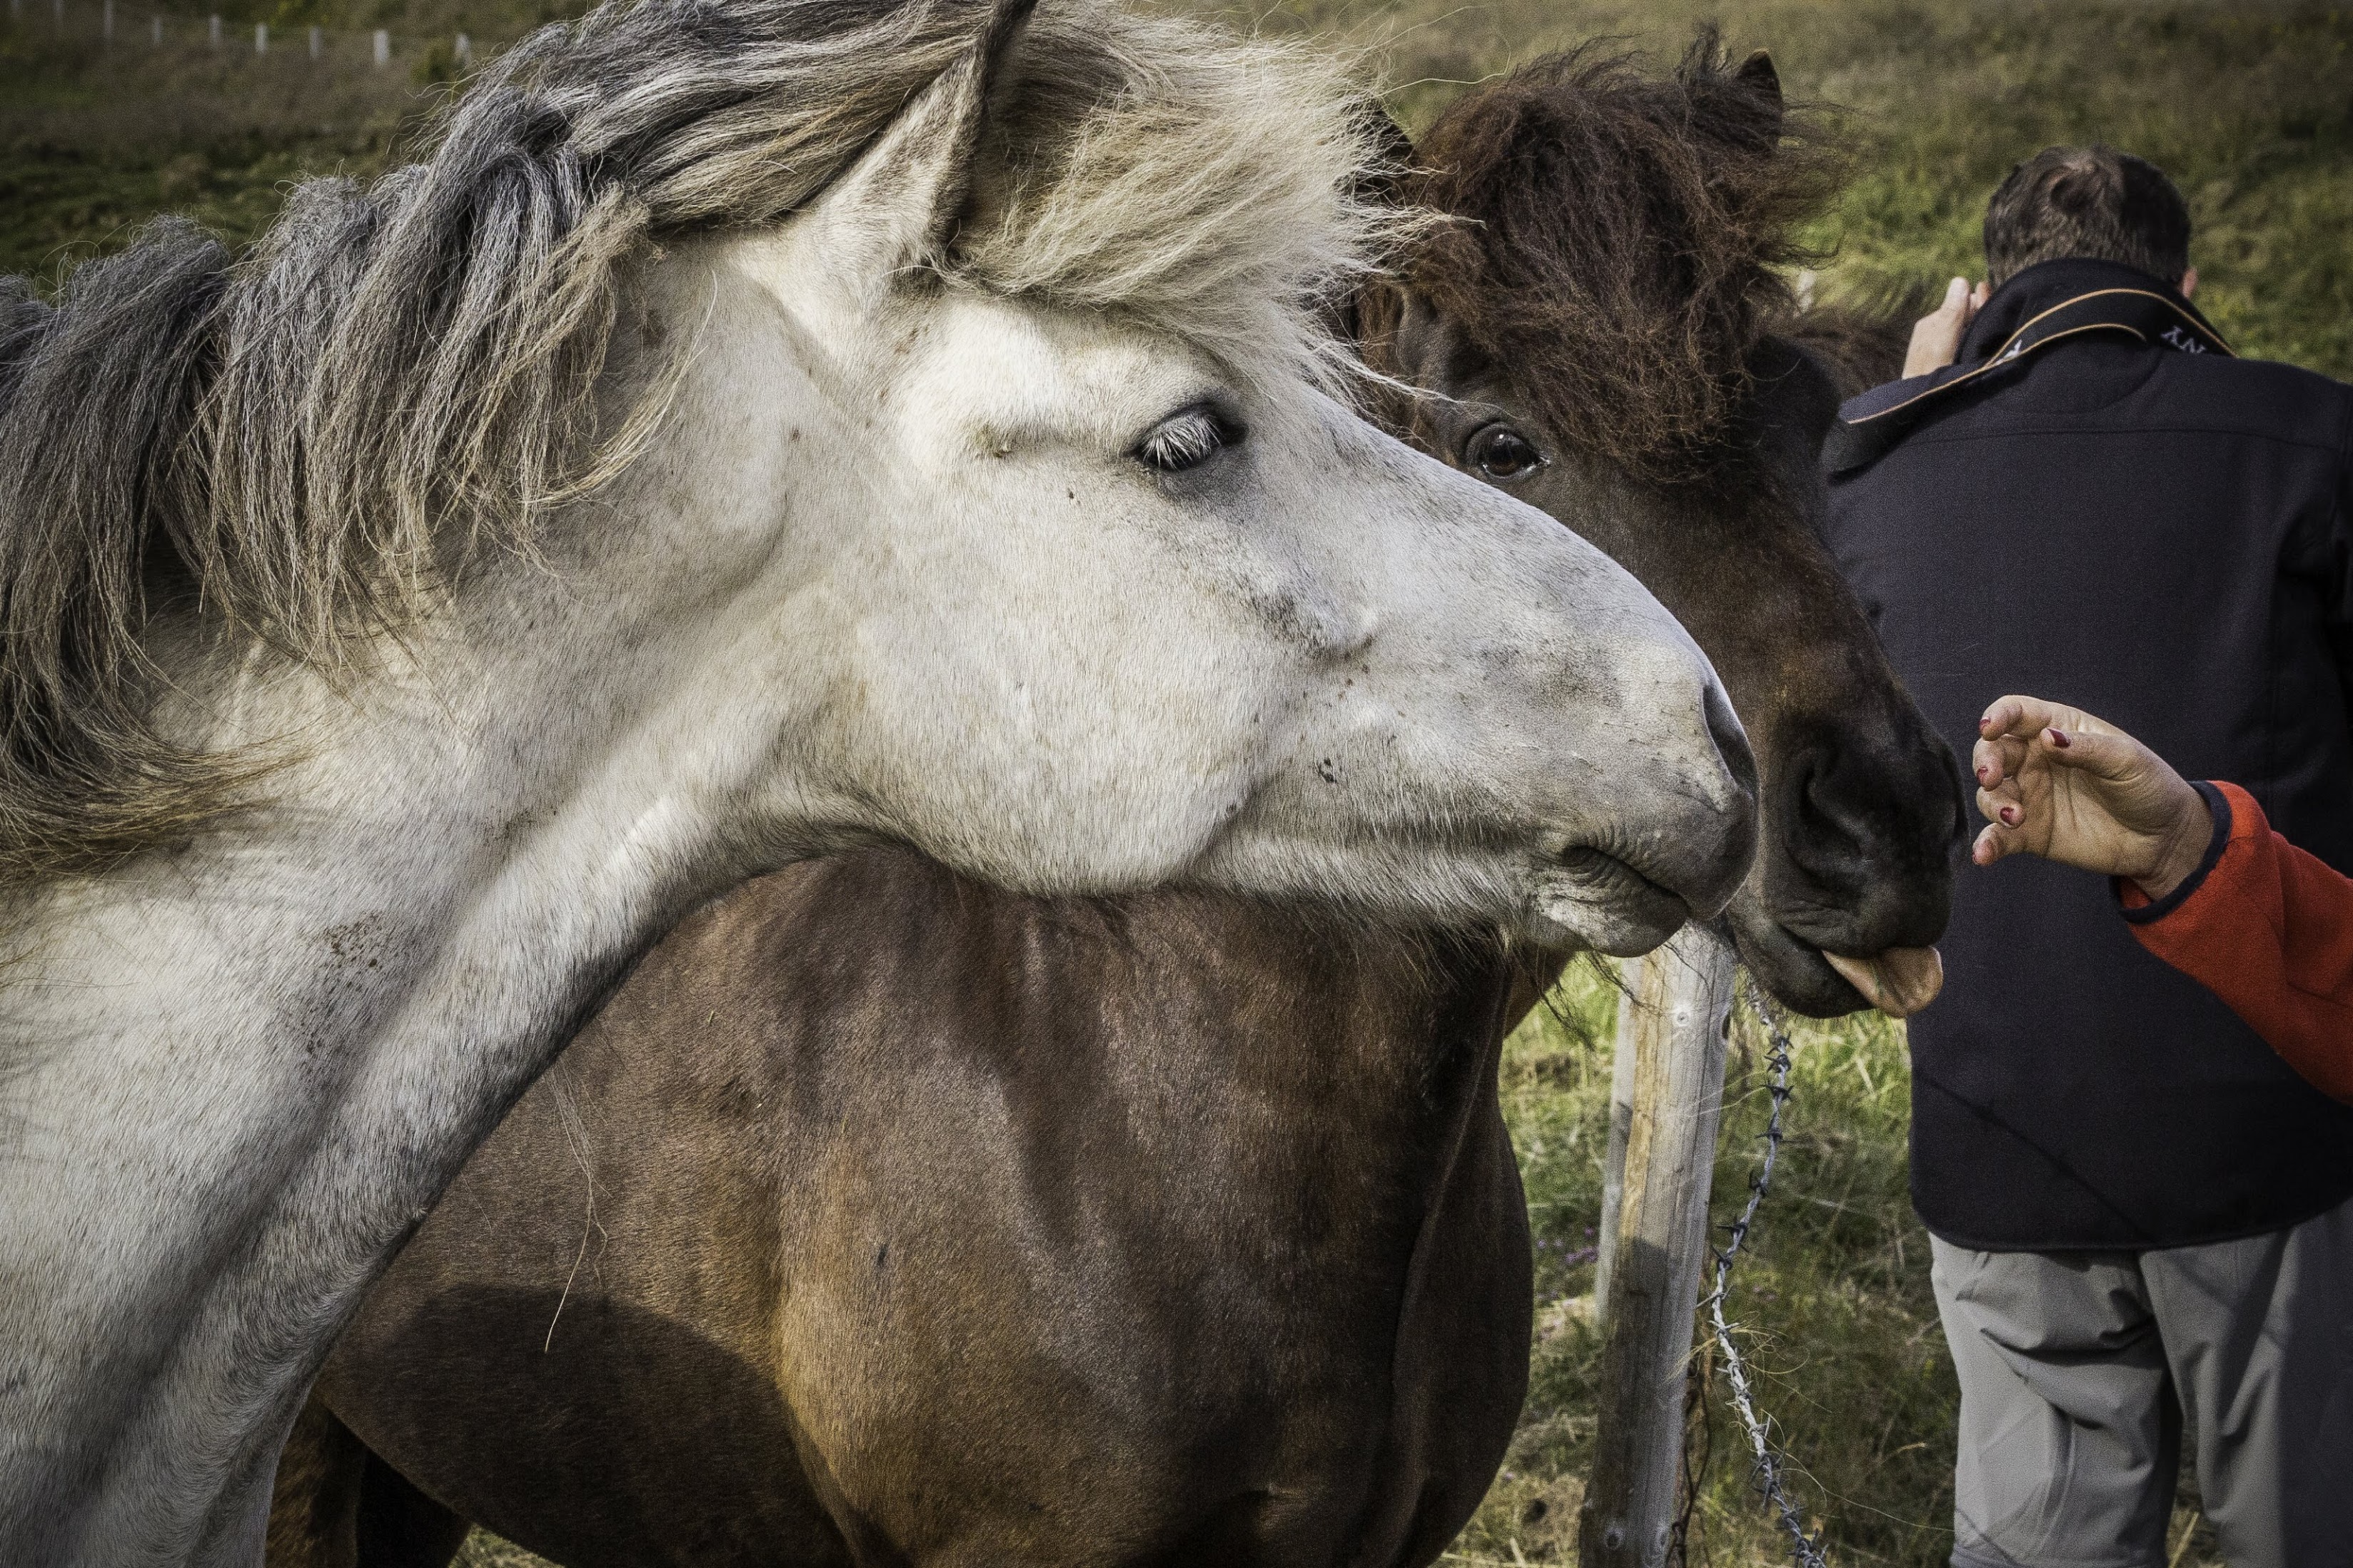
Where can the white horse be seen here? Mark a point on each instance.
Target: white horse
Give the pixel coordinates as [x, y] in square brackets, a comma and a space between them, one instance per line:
[755, 428]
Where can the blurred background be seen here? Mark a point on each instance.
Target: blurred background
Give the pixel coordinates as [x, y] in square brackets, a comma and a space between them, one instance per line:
[112, 111]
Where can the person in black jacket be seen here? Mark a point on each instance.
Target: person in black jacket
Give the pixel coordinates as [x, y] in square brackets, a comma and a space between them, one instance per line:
[2140, 1214]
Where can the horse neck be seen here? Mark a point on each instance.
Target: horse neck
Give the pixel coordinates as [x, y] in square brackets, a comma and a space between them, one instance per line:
[1269, 1048]
[1308, 1062]
[293, 1031]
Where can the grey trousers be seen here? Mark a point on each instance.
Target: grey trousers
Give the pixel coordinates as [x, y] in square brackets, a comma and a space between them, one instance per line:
[2079, 1370]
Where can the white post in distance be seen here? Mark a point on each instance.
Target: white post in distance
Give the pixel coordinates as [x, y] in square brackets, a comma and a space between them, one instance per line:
[383, 47]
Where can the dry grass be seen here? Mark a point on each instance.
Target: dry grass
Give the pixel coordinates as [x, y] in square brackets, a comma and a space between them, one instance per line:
[95, 141]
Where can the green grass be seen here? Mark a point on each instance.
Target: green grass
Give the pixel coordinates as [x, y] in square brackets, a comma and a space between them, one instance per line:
[1830, 1303]
[94, 143]
[483, 1550]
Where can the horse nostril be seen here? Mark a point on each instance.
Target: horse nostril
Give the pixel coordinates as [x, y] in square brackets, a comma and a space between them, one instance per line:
[1858, 822]
[1826, 821]
[1731, 740]
[1852, 815]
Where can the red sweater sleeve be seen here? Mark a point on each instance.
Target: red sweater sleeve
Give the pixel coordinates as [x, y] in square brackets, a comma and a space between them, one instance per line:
[2268, 929]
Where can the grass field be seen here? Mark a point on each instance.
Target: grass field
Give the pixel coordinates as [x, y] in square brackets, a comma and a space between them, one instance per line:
[2247, 104]
[2250, 106]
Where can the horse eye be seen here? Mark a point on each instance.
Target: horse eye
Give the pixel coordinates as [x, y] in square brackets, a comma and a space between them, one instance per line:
[1187, 439]
[1501, 452]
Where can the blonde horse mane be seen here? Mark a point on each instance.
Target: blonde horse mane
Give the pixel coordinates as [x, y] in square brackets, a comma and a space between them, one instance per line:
[281, 442]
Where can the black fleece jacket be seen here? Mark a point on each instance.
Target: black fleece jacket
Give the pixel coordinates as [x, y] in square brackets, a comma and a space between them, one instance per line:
[2165, 539]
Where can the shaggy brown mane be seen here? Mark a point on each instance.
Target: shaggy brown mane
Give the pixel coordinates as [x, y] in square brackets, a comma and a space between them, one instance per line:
[1624, 245]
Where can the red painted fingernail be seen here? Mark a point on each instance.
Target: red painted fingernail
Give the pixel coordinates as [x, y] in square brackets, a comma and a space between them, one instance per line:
[2009, 817]
[2059, 738]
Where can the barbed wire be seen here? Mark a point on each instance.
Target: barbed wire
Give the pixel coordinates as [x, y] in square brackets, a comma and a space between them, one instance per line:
[1766, 1476]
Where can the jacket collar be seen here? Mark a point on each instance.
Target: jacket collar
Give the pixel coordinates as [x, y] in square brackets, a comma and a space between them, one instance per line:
[2101, 286]
[2049, 302]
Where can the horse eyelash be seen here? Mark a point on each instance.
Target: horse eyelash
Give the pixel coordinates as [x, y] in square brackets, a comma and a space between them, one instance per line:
[1186, 440]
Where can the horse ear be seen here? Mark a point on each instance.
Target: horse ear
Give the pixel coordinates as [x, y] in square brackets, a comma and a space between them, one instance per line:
[900, 204]
[1406, 342]
[1416, 338]
[1391, 146]
[1757, 75]
[1386, 181]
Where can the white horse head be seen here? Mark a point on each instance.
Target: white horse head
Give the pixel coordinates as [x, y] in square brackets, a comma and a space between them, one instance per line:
[1014, 523]
[910, 423]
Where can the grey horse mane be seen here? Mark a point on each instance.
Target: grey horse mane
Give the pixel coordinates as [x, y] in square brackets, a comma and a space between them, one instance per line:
[290, 446]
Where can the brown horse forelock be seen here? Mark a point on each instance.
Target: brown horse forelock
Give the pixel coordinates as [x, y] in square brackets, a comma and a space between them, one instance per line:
[1621, 244]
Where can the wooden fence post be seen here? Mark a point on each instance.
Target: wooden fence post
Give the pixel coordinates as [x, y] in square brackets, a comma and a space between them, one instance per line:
[1622, 1116]
[1684, 993]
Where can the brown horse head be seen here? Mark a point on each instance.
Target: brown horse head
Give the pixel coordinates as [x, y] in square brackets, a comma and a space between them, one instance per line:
[1604, 330]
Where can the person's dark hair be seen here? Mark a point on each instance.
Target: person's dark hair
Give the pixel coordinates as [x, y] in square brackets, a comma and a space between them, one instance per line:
[2086, 201]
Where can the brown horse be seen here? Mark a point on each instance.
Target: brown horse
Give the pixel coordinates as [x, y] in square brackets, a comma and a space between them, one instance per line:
[884, 1219]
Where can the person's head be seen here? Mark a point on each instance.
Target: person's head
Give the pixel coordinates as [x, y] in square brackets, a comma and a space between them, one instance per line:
[2088, 202]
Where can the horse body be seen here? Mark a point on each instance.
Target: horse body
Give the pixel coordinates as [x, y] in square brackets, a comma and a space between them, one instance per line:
[1172, 1229]
[728, 1309]
[890, 549]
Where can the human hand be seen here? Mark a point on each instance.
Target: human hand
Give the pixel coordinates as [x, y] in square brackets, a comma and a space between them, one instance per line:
[1937, 336]
[2058, 783]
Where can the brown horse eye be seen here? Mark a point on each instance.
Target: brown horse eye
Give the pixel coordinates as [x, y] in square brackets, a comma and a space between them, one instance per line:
[1501, 452]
